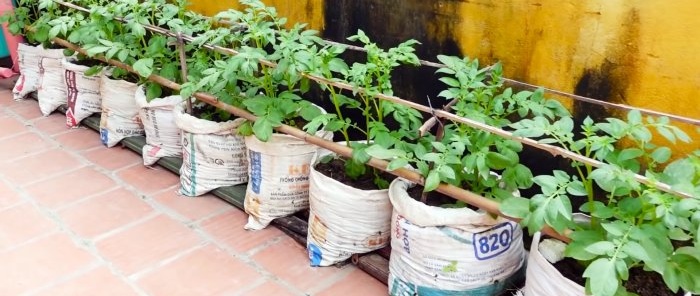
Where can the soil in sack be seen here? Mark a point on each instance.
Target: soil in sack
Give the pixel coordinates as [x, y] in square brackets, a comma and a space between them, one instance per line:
[52, 85]
[450, 251]
[213, 153]
[162, 134]
[120, 113]
[29, 58]
[347, 216]
[643, 283]
[82, 91]
[279, 177]
[565, 277]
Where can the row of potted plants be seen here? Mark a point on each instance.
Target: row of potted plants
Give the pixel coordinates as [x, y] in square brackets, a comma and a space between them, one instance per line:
[438, 245]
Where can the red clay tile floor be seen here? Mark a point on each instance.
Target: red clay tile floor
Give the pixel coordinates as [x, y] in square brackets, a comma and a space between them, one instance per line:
[77, 218]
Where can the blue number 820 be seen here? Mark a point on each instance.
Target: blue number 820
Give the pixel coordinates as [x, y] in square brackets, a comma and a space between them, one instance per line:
[493, 242]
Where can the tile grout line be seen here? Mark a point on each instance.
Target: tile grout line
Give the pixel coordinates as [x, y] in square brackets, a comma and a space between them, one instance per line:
[81, 242]
[131, 280]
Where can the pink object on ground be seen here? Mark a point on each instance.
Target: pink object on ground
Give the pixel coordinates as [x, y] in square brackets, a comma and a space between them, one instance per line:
[7, 72]
[11, 41]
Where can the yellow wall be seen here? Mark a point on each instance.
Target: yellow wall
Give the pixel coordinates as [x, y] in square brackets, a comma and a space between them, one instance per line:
[644, 53]
[297, 11]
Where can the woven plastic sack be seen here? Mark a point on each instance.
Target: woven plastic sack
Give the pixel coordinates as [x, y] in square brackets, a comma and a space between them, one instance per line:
[162, 134]
[120, 114]
[450, 251]
[279, 178]
[543, 279]
[29, 58]
[345, 220]
[213, 154]
[82, 93]
[52, 86]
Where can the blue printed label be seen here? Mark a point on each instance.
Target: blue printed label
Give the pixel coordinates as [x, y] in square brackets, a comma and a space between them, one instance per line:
[493, 242]
[104, 134]
[255, 170]
[315, 255]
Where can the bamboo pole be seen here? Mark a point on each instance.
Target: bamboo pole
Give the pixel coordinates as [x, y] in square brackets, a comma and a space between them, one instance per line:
[425, 63]
[183, 67]
[471, 198]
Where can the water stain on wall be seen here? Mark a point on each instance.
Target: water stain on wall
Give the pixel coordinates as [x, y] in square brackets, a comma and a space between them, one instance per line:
[391, 22]
[611, 80]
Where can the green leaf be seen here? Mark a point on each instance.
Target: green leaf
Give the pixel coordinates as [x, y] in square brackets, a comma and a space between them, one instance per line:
[94, 70]
[634, 117]
[661, 154]
[246, 129]
[616, 229]
[446, 172]
[153, 91]
[262, 128]
[630, 153]
[548, 183]
[517, 207]
[602, 277]
[635, 250]
[601, 248]
[499, 161]
[576, 188]
[380, 152]
[431, 157]
[92, 51]
[440, 147]
[397, 163]
[359, 153]
[144, 67]
[432, 181]
[54, 31]
[450, 81]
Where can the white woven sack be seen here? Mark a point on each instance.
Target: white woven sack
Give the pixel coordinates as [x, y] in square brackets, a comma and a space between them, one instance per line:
[344, 220]
[29, 59]
[542, 278]
[278, 183]
[213, 154]
[82, 92]
[52, 86]
[162, 134]
[450, 251]
[120, 114]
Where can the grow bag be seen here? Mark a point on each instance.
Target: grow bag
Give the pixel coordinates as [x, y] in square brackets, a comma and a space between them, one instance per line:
[51, 92]
[450, 251]
[344, 220]
[82, 92]
[119, 111]
[543, 279]
[213, 154]
[29, 60]
[158, 119]
[279, 178]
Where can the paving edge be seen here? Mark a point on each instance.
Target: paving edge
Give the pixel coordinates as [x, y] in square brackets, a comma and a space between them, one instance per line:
[293, 226]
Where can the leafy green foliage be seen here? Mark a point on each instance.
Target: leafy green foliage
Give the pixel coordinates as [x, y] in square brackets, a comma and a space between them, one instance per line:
[631, 224]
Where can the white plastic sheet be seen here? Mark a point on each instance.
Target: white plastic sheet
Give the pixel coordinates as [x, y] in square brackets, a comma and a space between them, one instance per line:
[344, 220]
[163, 137]
[82, 92]
[450, 251]
[213, 154]
[52, 86]
[279, 178]
[120, 114]
[29, 59]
